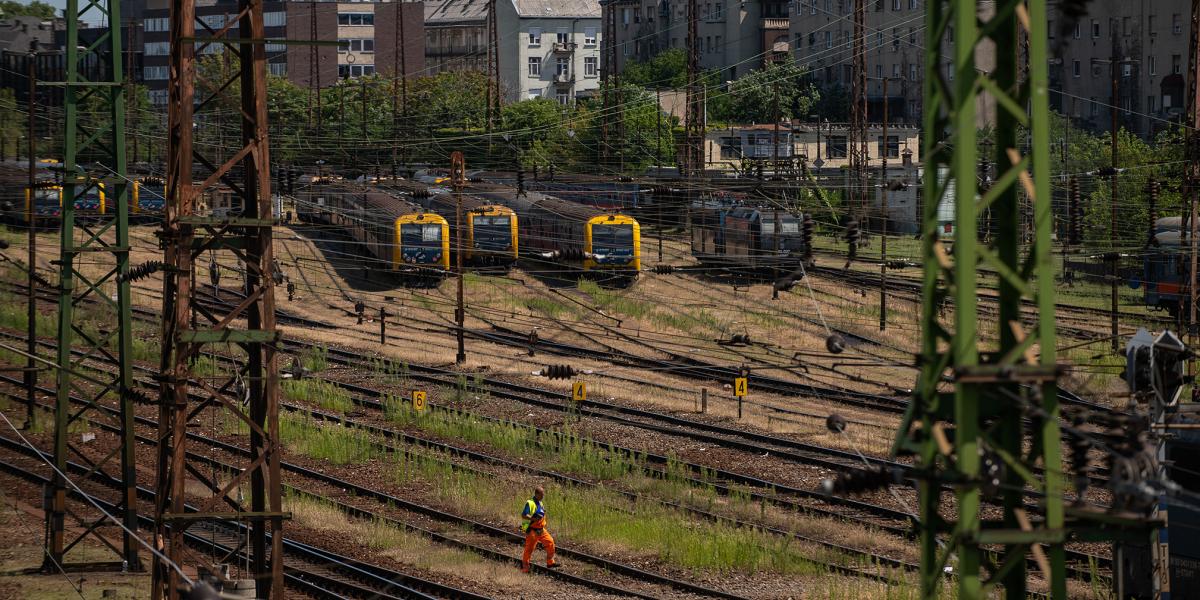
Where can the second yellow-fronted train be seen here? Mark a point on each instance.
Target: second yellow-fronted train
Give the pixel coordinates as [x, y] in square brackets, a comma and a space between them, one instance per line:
[399, 236]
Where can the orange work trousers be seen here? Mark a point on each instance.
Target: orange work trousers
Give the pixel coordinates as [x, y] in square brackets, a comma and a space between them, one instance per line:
[532, 538]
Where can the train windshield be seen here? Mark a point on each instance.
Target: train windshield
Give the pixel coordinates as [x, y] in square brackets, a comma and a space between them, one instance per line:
[612, 237]
[492, 233]
[46, 199]
[416, 234]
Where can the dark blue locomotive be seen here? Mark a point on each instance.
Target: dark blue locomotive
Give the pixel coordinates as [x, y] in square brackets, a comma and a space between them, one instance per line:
[747, 239]
[1165, 268]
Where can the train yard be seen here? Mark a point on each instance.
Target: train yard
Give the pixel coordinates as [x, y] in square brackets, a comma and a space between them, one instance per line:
[662, 482]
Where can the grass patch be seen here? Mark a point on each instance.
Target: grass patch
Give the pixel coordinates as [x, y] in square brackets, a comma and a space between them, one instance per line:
[547, 307]
[315, 358]
[327, 395]
[333, 442]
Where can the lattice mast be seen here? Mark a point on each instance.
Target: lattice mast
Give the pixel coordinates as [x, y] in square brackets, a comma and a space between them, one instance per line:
[249, 327]
[493, 68]
[858, 143]
[693, 137]
[94, 70]
[995, 386]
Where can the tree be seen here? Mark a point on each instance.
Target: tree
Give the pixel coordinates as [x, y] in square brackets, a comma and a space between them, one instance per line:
[666, 70]
[539, 131]
[41, 10]
[753, 97]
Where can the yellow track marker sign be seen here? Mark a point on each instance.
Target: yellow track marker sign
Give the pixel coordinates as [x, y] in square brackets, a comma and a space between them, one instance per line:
[740, 387]
[579, 391]
[418, 400]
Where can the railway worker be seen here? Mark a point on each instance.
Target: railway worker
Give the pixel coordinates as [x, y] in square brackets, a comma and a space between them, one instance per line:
[534, 515]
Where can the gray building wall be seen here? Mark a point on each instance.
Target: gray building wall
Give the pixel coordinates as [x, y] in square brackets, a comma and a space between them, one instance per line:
[1150, 39]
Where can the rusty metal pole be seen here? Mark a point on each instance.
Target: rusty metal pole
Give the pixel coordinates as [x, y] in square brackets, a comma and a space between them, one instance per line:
[884, 216]
[31, 375]
[1112, 201]
[458, 171]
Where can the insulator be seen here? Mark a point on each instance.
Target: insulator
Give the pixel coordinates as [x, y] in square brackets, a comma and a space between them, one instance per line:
[991, 473]
[783, 285]
[359, 307]
[807, 229]
[743, 371]
[625, 179]
[1106, 171]
[1074, 213]
[835, 343]
[7, 206]
[559, 371]
[740, 338]
[852, 236]
[214, 273]
[856, 481]
[664, 269]
[137, 397]
[142, 271]
[297, 369]
[835, 423]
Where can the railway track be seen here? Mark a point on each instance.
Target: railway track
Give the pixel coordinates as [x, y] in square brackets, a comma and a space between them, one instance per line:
[318, 573]
[503, 537]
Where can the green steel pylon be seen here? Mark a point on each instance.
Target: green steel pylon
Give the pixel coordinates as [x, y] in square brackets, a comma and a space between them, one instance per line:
[972, 395]
[94, 302]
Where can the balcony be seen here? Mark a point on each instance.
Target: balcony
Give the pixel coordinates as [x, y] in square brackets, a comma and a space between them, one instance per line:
[565, 47]
[774, 23]
[564, 78]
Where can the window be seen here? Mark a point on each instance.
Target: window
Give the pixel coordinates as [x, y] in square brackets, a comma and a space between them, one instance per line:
[1075, 67]
[355, 70]
[563, 99]
[895, 4]
[1125, 25]
[718, 12]
[912, 4]
[893, 146]
[1095, 70]
[717, 44]
[835, 146]
[1050, 28]
[1176, 24]
[950, 71]
[275, 19]
[356, 45]
[1150, 103]
[213, 21]
[896, 70]
[562, 67]
[828, 39]
[878, 39]
[649, 14]
[1176, 64]
[535, 66]
[708, 43]
[276, 47]
[1152, 64]
[1076, 34]
[158, 97]
[1126, 70]
[912, 72]
[535, 36]
[561, 36]
[591, 66]
[912, 35]
[157, 48]
[1092, 104]
[279, 69]
[625, 17]
[878, 71]
[535, 93]
[154, 73]
[589, 36]
[159, 24]
[1095, 28]
[356, 18]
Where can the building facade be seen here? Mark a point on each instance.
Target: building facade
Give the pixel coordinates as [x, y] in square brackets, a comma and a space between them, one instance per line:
[369, 33]
[455, 36]
[734, 37]
[823, 146]
[548, 49]
[822, 35]
[1149, 41]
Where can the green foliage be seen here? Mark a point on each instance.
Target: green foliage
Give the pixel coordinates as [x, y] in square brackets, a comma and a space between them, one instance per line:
[315, 359]
[752, 97]
[41, 10]
[335, 443]
[667, 69]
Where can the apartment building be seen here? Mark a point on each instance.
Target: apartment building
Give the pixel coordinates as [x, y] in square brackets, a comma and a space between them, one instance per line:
[368, 32]
[822, 35]
[734, 37]
[1150, 43]
[824, 146]
[455, 35]
[549, 49]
